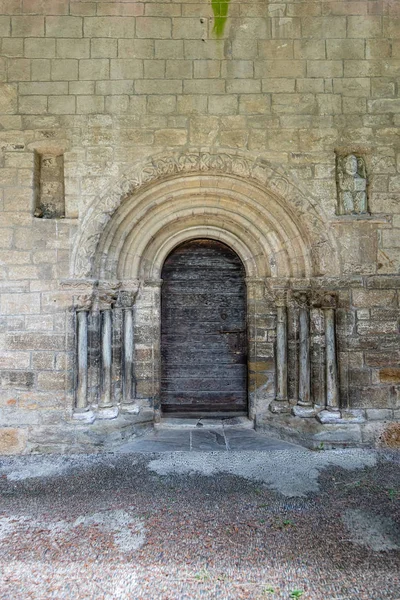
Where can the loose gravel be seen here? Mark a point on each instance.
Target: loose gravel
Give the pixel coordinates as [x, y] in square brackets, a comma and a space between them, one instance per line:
[251, 525]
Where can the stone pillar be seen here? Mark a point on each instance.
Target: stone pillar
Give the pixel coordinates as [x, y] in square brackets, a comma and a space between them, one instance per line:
[148, 387]
[281, 403]
[127, 299]
[107, 292]
[304, 407]
[331, 413]
[261, 364]
[106, 358]
[82, 410]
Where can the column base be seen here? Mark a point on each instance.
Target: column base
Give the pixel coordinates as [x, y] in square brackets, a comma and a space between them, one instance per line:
[305, 412]
[108, 412]
[84, 416]
[132, 408]
[279, 407]
[329, 416]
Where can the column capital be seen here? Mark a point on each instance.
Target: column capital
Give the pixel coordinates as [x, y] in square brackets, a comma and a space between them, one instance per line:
[126, 299]
[105, 295]
[275, 288]
[325, 299]
[301, 298]
[83, 302]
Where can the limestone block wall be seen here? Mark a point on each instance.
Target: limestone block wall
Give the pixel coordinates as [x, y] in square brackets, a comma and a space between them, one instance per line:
[105, 84]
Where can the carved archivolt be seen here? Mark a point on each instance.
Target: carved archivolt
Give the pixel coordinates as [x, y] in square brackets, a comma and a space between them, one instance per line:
[304, 220]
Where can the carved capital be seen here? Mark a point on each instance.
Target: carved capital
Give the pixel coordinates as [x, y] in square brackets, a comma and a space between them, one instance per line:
[276, 291]
[106, 294]
[301, 298]
[83, 302]
[324, 299]
[126, 298]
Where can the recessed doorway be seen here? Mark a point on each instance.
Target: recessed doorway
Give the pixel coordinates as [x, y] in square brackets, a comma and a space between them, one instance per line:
[203, 331]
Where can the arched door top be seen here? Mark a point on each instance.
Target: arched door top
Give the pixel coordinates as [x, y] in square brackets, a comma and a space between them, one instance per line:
[167, 196]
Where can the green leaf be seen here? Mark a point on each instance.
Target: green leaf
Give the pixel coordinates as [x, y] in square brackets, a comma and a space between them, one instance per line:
[220, 10]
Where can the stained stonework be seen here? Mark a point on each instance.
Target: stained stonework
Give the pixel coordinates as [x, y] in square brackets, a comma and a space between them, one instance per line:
[279, 140]
[352, 185]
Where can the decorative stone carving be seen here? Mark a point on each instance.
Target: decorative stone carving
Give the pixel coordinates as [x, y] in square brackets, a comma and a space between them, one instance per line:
[352, 185]
[323, 299]
[126, 297]
[158, 168]
[84, 302]
[105, 295]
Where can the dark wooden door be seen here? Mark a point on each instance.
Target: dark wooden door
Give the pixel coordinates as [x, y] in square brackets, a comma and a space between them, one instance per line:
[203, 330]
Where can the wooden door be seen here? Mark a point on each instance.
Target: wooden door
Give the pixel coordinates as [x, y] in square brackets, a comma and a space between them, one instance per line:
[203, 330]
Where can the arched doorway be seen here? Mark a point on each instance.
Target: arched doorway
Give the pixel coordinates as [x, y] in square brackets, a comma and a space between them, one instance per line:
[203, 331]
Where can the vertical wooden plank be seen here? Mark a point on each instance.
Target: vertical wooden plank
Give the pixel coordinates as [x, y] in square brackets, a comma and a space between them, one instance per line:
[203, 332]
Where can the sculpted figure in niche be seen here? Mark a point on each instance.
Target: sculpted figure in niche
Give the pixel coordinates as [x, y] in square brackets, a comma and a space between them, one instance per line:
[352, 185]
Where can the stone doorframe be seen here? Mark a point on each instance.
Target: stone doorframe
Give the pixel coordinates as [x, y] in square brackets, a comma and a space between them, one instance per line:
[125, 237]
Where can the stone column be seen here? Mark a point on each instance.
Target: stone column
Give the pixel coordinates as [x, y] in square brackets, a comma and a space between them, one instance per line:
[331, 413]
[104, 302]
[148, 387]
[127, 299]
[106, 358]
[261, 366]
[82, 411]
[304, 407]
[281, 403]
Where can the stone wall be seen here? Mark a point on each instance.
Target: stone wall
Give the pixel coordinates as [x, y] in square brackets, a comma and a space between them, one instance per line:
[104, 86]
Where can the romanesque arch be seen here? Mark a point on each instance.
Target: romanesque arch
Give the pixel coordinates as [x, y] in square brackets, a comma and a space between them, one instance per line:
[265, 216]
[246, 202]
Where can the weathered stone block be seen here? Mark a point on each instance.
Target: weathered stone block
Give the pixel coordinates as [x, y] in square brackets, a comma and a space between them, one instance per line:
[379, 414]
[8, 98]
[364, 26]
[35, 341]
[65, 27]
[152, 28]
[159, 86]
[109, 27]
[352, 49]
[324, 27]
[370, 298]
[155, 69]
[27, 26]
[12, 440]
[16, 379]
[90, 104]
[51, 381]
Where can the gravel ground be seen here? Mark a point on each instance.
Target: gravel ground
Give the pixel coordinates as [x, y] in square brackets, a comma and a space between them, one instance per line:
[279, 525]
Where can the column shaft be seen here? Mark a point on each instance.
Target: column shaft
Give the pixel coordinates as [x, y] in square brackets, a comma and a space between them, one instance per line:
[129, 391]
[281, 355]
[106, 354]
[82, 349]
[304, 359]
[332, 382]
